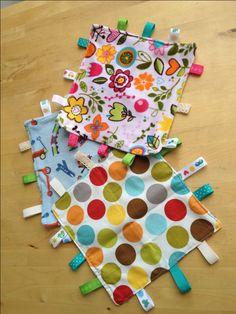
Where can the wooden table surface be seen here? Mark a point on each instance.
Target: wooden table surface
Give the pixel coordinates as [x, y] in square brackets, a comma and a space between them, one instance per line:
[38, 43]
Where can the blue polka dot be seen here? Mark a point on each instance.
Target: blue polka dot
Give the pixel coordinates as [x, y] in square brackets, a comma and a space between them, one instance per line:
[134, 186]
[178, 186]
[155, 224]
[175, 257]
[85, 235]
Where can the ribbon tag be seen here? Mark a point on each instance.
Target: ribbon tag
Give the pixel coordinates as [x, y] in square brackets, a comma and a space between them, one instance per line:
[69, 75]
[24, 146]
[183, 108]
[103, 150]
[57, 186]
[57, 238]
[32, 211]
[190, 169]
[171, 142]
[174, 34]
[145, 300]
[45, 107]
[196, 69]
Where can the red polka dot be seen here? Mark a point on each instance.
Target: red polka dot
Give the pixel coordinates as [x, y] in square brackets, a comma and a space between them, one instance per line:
[122, 294]
[96, 209]
[98, 176]
[175, 210]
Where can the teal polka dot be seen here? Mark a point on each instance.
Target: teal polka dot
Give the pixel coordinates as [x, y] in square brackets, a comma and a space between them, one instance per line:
[178, 186]
[155, 224]
[85, 235]
[134, 186]
[175, 257]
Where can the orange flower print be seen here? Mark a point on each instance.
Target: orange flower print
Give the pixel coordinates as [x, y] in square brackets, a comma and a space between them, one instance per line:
[96, 127]
[143, 81]
[106, 54]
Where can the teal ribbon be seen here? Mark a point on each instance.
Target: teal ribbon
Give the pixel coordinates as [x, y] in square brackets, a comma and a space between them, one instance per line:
[77, 261]
[82, 42]
[180, 279]
[203, 192]
[148, 29]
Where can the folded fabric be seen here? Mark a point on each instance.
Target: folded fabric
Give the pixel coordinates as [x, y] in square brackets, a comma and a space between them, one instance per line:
[127, 90]
[133, 223]
[52, 158]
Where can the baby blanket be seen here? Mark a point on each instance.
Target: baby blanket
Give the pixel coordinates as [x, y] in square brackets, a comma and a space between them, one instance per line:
[127, 90]
[133, 223]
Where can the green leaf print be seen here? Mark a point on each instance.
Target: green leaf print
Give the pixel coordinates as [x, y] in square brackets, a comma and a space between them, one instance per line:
[81, 74]
[109, 69]
[159, 66]
[144, 66]
[83, 86]
[173, 50]
[122, 40]
[181, 72]
[185, 62]
[100, 80]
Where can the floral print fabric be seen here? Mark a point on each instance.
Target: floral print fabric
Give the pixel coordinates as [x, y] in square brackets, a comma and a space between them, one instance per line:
[127, 90]
[133, 223]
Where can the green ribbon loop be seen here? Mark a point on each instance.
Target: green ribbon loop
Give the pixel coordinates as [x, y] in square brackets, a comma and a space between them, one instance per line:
[90, 286]
[128, 159]
[122, 24]
[29, 178]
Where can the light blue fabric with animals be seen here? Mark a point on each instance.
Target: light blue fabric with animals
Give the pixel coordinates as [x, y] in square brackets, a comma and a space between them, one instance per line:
[53, 158]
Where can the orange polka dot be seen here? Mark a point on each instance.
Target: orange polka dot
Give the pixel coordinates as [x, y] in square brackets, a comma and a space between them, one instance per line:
[196, 206]
[133, 232]
[118, 170]
[75, 215]
[94, 256]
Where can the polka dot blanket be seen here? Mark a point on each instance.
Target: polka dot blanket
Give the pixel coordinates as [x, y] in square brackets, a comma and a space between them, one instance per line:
[133, 223]
[127, 90]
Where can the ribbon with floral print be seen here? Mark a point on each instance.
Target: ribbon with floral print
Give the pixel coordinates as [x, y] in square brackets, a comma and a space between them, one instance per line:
[127, 90]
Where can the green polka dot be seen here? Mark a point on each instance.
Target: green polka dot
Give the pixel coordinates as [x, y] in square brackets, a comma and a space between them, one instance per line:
[177, 237]
[63, 202]
[161, 171]
[118, 153]
[69, 230]
[107, 238]
[112, 192]
[151, 253]
[111, 273]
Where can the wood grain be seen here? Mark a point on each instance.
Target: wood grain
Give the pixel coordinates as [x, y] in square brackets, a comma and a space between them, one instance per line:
[38, 43]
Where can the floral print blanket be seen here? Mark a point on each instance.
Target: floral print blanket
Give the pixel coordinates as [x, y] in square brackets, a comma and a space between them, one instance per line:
[127, 90]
